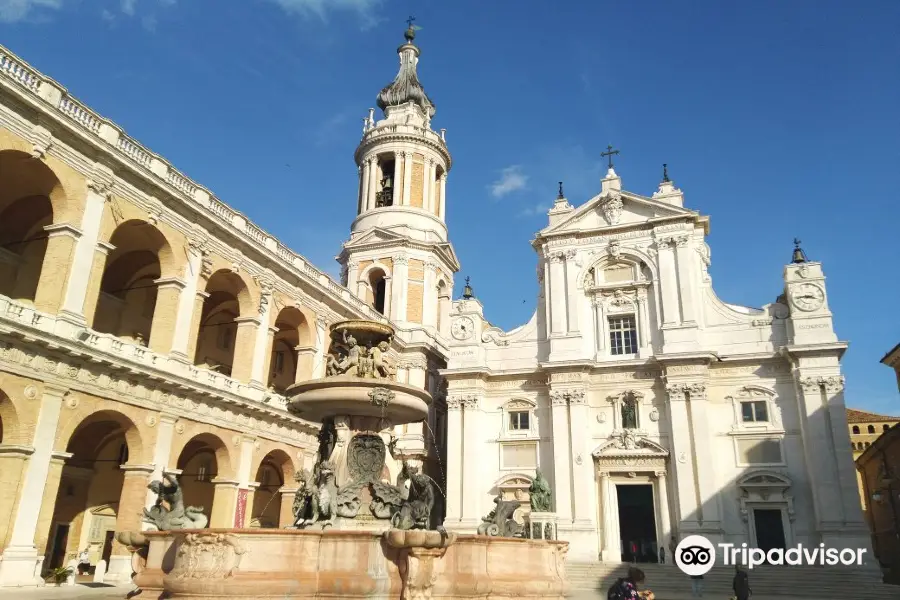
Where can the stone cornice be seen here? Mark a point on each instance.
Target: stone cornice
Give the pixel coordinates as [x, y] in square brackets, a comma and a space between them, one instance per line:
[831, 348]
[383, 135]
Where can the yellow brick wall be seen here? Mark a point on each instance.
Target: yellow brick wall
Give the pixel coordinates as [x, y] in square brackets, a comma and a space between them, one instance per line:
[417, 188]
[415, 291]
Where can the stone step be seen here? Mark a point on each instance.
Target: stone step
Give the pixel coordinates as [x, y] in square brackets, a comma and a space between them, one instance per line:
[796, 581]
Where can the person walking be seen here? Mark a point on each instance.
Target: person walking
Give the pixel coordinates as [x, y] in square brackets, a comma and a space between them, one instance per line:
[741, 584]
[697, 586]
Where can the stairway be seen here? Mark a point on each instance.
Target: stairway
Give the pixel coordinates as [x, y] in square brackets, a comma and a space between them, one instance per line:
[794, 581]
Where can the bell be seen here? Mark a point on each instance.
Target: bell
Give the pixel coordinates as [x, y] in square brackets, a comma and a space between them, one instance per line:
[468, 294]
[799, 256]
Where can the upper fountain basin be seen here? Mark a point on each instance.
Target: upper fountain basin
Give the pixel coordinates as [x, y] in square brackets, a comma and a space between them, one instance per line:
[320, 399]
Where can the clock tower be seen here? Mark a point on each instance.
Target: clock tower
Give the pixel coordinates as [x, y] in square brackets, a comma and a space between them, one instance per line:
[804, 288]
[398, 257]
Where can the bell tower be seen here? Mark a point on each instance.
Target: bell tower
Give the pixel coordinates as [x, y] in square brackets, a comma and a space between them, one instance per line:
[398, 257]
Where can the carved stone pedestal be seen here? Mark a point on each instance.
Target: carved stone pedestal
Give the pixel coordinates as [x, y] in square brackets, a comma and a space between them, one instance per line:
[541, 526]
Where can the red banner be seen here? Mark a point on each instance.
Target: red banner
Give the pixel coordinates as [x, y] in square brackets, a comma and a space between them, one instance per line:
[241, 509]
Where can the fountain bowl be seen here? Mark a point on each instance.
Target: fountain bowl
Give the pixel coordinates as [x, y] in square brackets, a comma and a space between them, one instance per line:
[319, 399]
[365, 332]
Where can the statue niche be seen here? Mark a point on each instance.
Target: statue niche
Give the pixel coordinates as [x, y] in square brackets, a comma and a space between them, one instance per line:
[629, 412]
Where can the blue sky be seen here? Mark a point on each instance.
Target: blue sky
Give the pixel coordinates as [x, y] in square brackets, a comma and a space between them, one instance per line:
[777, 119]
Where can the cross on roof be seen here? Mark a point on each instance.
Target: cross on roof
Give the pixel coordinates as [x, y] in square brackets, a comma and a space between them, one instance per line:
[409, 21]
[610, 153]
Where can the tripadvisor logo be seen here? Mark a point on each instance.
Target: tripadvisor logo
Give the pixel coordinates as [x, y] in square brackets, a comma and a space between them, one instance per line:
[696, 555]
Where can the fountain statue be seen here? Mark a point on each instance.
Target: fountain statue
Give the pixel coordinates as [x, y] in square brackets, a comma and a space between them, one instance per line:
[364, 522]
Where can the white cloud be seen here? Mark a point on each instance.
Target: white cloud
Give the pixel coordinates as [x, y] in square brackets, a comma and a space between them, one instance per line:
[511, 179]
[17, 10]
[129, 7]
[320, 8]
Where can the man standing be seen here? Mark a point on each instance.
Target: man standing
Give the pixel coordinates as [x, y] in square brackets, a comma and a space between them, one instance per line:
[741, 584]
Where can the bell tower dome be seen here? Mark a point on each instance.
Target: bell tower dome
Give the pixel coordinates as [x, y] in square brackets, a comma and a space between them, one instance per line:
[398, 256]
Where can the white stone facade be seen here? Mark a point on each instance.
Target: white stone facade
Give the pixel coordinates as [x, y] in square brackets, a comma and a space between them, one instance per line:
[632, 371]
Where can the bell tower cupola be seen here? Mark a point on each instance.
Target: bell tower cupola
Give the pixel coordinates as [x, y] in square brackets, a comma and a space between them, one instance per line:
[398, 256]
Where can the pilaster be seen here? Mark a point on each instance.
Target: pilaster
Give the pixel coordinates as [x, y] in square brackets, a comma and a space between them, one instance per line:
[83, 257]
[373, 183]
[557, 294]
[162, 450]
[20, 558]
[407, 178]
[185, 312]
[562, 471]
[399, 288]
[262, 349]
[571, 276]
[245, 349]
[56, 270]
[668, 280]
[162, 331]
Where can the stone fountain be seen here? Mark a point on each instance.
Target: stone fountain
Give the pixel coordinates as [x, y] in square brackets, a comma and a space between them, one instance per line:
[356, 534]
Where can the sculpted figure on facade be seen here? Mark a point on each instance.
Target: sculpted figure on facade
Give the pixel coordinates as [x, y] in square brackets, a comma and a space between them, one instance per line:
[415, 512]
[349, 357]
[169, 512]
[539, 493]
[303, 500]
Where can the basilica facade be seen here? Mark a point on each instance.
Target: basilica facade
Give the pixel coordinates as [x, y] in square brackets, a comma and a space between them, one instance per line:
[146, 328]
[656, 409]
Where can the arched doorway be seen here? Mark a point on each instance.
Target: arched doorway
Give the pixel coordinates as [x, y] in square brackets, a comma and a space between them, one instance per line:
[201, 461]
[228, 300]
[27, 198]
[87, 504]
[128, 290]
[274, 470]
[377, 289]
[288, 364]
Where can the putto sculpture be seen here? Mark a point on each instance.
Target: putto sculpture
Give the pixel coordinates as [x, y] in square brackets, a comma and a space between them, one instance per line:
[540, 494]
[169, 512]
[360, 351]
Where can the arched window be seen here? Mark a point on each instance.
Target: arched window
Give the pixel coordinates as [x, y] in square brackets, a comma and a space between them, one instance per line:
[856, 429]
[871, 429]
[868, 444]
[885, 427]
[379, 295]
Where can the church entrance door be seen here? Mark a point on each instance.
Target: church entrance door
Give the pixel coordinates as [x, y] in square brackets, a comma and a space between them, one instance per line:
[637, 522]
[769, 528]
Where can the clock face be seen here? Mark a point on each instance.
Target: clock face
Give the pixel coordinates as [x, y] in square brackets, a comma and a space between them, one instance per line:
[463, 328]
[808, 297]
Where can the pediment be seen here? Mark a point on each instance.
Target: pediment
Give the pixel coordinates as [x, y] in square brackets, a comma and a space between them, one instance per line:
[627, 443]
[764, 479]
[615, 209]
[376, 235]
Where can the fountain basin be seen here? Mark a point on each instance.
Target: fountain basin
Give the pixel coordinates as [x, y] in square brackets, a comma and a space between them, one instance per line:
[292, 564]
[319, 399]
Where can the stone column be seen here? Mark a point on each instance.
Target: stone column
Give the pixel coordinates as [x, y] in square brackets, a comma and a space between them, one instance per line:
[668, 280]
[128, 517]
[562, 474]
[363, 187]
[600, 324]
[704, 470]
[557, 294]
[245, 349]
[186, 300]
[362, 287]
[13, 462]
[663, 522]
[162, 331]
[353, 277]
[162, 450]
[286, 512]
[582, 464]
[55, 270]
[388, 291]
[373, 183]
[196, 320]
[262, 345]
[83, 257]
[246, 485]
[455, 465]
[322, 343]
[571, 275]
[686, 283]
[224, 501]
[687, 508]
[399, 287]
[20, 557]
[473, 488]
[48, 504]
[610, 552]
[643, 320]
[443, 188]
[407, 178]
[306, 360]
[92, 295]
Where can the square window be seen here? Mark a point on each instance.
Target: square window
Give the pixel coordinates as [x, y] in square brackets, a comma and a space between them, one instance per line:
[622, 335]
[519, 420]
[755, 411]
